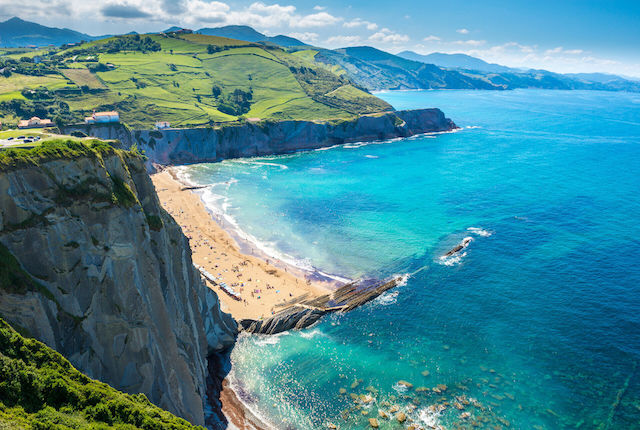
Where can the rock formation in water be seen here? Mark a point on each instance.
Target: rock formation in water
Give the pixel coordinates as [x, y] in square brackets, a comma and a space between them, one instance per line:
[102, 274]
[181, 146]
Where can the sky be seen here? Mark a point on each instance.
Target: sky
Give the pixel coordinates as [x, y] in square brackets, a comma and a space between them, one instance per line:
[566, 36]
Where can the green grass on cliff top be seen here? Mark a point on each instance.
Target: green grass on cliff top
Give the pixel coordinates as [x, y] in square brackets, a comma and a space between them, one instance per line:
[40, 389]
[55, 149]
[175, 84]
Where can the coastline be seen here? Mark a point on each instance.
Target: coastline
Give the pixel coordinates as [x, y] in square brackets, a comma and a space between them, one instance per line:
[212, 245]
[262, 283]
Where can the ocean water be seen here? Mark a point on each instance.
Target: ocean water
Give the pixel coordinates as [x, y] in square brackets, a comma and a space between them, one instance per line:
[536, 325]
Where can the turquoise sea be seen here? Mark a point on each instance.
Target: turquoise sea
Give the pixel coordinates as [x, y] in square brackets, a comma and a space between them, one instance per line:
[535, 326]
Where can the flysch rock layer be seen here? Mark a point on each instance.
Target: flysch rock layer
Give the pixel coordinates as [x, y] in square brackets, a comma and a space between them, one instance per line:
[122, 299]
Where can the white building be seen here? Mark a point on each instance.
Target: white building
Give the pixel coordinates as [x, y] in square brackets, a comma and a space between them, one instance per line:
[162, 124]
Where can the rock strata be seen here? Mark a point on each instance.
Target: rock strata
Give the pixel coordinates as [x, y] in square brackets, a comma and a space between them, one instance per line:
[208, 144]
[113, 287]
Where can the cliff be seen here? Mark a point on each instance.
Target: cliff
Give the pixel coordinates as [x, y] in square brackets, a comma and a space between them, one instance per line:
[96, 269]
[39, 389]
[182, 146]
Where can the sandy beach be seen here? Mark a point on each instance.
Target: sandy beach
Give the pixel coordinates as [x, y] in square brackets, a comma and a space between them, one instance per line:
[261, 284]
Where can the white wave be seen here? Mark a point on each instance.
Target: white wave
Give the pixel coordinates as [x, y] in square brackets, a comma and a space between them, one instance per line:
[371, 156]
[310, 334]
[472, 127]
[261, 163]
[269, 339]
[404, 279]
[218, 205]
[387, 298]
[430, 416]
[237, 387]
[480, 232]
[452, 260]
[183, 173]
[400, 388]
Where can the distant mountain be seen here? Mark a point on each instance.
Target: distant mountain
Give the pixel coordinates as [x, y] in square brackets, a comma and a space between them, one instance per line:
[374, 69]
[172, 29]
[16, 32]
[602, 78]
[244, 32]
[456, 61]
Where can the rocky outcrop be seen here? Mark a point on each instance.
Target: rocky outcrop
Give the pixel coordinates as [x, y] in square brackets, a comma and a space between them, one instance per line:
[117, 293]
[182, 146]
[304, 312]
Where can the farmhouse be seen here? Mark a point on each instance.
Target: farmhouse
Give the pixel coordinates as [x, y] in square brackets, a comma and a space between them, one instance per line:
[102, 117]
[35, 122]
[162, 124]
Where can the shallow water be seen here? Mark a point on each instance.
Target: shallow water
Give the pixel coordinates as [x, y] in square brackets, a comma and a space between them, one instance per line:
[537, 322]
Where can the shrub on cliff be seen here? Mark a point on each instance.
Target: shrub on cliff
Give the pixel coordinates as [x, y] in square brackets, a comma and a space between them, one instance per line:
[40, 389]
[57, 149]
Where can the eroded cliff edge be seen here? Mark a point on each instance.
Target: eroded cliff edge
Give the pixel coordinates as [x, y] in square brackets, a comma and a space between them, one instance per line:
[109, 279]
[195, 145]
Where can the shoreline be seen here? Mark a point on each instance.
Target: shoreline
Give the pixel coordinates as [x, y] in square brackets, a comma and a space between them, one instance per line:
[262, 283]
[213, 245]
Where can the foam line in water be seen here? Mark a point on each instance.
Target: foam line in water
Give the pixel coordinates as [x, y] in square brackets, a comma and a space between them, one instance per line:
[218, 205]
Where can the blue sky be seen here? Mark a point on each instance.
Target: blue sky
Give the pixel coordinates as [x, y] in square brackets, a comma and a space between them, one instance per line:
[561, 35]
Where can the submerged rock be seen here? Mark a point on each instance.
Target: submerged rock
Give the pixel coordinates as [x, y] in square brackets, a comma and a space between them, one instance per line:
[401, 417]
[406, 384]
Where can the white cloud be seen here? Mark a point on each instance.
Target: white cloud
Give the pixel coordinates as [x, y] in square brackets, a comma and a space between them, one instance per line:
[318, 7]
[360, 23]
[470, 42]
[341, 41]
[462, 31]
[207, 12]
[305, 37]
[561, 50]
[432, 38]
[320, 19]
[389, 37]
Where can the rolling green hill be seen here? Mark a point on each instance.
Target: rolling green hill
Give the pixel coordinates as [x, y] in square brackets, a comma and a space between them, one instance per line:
[40, 389]
[187, 79]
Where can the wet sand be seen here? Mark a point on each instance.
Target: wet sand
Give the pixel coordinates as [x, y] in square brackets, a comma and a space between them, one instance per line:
[261, 284]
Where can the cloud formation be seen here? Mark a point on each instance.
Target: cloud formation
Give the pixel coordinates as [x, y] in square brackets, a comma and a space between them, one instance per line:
[386, 36]
[342, 41]
[360, 23]
[123, 11]
[312, 24]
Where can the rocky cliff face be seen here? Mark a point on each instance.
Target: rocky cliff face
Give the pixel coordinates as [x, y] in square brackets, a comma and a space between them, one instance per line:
[117, 291]
[180, 146]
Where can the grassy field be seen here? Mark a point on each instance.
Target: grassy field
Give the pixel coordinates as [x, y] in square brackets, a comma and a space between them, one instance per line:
[16, 82]
[82, 76]
[178, 82]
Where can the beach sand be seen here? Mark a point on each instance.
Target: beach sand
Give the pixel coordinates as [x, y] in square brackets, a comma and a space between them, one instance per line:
[261, 284]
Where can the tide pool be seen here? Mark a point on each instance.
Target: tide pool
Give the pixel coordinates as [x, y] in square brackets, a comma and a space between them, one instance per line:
[536, 325]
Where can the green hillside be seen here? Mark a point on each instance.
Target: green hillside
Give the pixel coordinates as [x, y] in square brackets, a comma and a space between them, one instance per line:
[40, 389]
[187, 79]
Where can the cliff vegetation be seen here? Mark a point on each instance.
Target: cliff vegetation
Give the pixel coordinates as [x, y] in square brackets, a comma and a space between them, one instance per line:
[40, 389]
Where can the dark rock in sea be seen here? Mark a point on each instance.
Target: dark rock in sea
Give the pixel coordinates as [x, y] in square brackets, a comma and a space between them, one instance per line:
[297, 315]
[459, 247]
